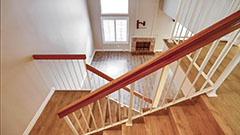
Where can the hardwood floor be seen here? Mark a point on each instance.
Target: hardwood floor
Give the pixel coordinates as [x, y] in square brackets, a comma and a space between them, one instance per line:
[115, 64]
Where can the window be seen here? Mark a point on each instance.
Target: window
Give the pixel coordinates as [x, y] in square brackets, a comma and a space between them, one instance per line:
[114, 6]
[114, 20]
[115, 30]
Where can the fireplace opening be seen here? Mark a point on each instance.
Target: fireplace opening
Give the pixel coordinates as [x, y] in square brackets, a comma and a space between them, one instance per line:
[143, 46]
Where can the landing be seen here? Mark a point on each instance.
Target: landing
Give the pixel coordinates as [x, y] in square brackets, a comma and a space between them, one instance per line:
[49, 123]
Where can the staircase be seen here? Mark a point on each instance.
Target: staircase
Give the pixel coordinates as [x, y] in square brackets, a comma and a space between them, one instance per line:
[187, 118]
[102, 110]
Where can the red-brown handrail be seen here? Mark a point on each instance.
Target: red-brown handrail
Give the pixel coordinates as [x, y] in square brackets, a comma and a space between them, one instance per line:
[199, 40]
[59, 56]
[101, 74]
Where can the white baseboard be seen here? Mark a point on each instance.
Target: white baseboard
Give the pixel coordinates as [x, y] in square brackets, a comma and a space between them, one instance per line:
[39, 112]
[90, 62]
[108, 50]
[160, 50]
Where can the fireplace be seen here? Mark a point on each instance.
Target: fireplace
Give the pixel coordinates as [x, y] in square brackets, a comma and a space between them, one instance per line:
[142, 45]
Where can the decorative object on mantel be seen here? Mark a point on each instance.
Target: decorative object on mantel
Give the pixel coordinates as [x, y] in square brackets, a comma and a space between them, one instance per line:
[142, 45]
[143, 23]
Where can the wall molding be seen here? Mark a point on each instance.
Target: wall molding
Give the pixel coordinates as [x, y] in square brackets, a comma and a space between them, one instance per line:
[159, 50]
[38, 113]
[114, 50]
[92, 56]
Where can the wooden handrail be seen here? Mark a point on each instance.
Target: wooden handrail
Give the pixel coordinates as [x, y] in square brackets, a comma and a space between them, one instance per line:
[199, 40]
[59, 56]
[101, 74]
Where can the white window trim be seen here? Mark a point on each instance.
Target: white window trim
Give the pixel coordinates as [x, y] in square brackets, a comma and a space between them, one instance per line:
[114, 18]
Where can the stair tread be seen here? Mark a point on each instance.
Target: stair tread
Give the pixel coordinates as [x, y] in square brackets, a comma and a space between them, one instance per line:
[194, 118]
[135, 129]
[156, 125]
[112, 132]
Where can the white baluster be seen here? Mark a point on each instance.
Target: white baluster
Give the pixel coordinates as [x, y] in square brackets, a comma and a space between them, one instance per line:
[69, 70]
[129, 122]
[78, 122]
[75, 71]
[71, 125]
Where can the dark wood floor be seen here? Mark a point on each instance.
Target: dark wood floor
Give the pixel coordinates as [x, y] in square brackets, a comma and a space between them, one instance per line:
[116, 64]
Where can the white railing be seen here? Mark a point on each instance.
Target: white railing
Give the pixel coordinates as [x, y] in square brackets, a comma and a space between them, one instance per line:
[63, 74]
[203, 14]
[195, 15]
[166, 93]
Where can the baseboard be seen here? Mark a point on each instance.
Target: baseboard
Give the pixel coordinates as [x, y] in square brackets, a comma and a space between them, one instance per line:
[159, 50]
[39, 112]
[91, 59]
[112, 50]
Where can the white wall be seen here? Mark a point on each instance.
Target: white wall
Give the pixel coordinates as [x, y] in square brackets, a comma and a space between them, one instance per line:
[31, 27]
[157, 23]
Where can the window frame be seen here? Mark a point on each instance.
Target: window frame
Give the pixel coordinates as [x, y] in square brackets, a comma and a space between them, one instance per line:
[115, 32]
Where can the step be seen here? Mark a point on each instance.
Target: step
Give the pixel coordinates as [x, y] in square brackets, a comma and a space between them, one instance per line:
[112, 132]
[135, 129]
[193, 117]
[159, 125]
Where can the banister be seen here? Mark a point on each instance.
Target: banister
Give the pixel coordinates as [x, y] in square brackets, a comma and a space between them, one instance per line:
[101, 74]
[59, 56]
[199, 40]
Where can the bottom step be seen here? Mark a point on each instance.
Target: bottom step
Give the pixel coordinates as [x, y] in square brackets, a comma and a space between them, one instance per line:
[159, 125]
[112, 132]
[194, 118]
[135, 129]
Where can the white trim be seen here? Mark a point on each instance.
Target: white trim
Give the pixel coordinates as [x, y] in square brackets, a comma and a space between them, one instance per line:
[158, 50]
[38, 113]
[114, 50]
[91, 59]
